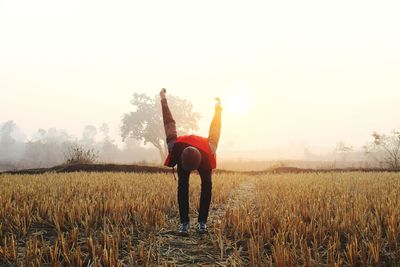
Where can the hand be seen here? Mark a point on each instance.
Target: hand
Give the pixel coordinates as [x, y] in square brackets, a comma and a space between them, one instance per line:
[218, 105]
[162, 93]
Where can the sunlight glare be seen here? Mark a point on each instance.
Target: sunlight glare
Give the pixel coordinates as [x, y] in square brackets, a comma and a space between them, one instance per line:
[237, 102]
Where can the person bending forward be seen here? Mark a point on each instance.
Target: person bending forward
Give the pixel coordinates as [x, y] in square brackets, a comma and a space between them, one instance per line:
[192, 152]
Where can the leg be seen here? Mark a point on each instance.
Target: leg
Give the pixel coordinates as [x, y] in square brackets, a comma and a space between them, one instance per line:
[205, 198]
[183, 194]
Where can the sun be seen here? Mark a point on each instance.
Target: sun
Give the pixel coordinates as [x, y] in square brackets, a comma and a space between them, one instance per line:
[237, 102]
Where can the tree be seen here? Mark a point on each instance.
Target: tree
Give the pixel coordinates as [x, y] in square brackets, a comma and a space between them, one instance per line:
[145, 122]
[6, 131]
[343, 149]
[7, 141]
[108, 147]
[89, 136]
[46, 148]
[385, 149]
[105, 131]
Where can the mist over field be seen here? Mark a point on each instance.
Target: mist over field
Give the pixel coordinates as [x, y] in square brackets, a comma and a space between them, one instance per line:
[306, 82]
[47, 148]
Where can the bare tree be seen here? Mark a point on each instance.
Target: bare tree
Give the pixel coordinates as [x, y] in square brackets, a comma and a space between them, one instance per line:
[145, 122]
[385, 149]
[77, 154]
[343, 149]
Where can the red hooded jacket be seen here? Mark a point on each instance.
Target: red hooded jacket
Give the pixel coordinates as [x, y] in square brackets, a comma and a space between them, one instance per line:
[198, 142]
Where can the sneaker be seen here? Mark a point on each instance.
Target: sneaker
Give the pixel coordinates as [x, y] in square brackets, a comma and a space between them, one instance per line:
[202, 228]
[184, 229]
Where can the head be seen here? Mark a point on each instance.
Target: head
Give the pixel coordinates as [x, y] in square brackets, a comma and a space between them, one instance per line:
[191, 158]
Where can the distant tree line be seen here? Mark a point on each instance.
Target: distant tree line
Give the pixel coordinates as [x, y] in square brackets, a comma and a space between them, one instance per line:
[50, 147]
[142, 126]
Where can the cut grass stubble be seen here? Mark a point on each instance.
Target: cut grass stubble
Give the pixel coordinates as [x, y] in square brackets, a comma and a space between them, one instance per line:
[112, 219]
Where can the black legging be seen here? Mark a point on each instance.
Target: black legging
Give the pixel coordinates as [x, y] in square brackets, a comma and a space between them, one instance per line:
[183, 194]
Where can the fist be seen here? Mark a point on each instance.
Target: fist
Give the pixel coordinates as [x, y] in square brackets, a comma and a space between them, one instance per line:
[162, 93]
[218, 105]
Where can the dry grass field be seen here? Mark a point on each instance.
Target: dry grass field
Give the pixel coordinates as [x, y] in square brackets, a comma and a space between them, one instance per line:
[121, 219]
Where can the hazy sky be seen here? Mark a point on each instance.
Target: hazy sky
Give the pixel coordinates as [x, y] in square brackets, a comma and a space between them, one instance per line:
[310, 73]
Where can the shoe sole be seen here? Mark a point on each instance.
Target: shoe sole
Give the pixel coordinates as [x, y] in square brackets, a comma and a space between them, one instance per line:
[183, 234]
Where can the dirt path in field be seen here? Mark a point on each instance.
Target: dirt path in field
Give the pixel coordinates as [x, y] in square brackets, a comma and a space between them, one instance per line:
[201, 250]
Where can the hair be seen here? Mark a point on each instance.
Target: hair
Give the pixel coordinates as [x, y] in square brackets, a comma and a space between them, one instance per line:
[191, 158]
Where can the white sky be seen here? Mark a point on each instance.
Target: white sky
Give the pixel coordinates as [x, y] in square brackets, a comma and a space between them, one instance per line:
[315, 72]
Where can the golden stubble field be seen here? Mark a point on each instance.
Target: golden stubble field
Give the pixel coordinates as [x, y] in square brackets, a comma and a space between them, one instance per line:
[121, 219]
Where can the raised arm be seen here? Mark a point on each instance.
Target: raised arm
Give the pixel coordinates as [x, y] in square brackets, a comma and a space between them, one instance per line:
[215, 128]
[169, 122]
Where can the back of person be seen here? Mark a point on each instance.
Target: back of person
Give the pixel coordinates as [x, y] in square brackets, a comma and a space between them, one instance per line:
[208, 160]
[192, 152]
